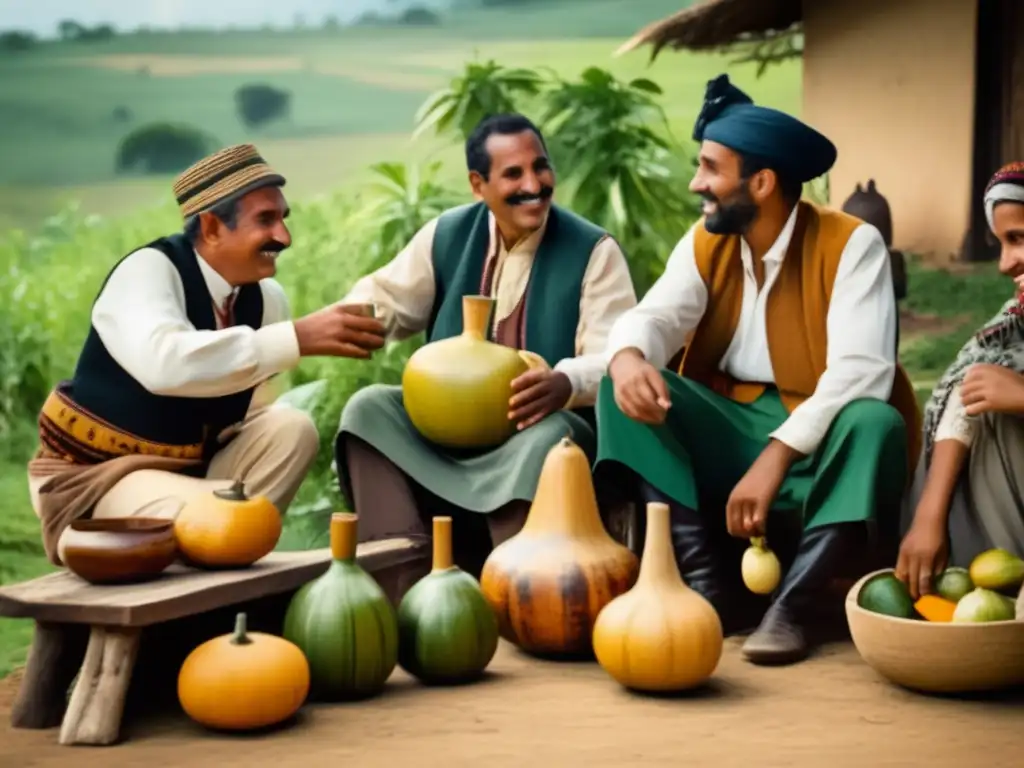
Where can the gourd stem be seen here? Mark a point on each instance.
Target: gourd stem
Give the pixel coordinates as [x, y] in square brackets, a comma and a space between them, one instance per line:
[476, 315]
[658, 564]
[343, 535]
[235, 493]
[565, 503]
[241, 636]
[442, 544]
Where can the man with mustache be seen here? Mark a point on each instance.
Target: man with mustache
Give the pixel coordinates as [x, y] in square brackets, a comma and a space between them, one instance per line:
[170, 398]
[559, 283]
[788, 415]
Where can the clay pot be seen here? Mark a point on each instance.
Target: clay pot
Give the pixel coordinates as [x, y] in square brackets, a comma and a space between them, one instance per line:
[119, 550]
[871, 206]
[456, 390]
[937, 657]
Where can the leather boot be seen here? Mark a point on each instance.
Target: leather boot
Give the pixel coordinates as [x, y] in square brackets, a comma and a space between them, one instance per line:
[704, 563]
[781, 637]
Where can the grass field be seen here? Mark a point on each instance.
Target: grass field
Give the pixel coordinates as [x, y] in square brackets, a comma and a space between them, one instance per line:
[354, 94]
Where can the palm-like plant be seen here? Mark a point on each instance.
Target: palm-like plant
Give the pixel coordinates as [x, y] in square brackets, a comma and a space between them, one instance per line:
[614, 150]
[400, 200]
[483, 89]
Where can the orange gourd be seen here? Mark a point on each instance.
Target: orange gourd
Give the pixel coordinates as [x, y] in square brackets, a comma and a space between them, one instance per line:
[243, 681]
[227, 529]
[935, 608]
[547, 583]
[661, 635]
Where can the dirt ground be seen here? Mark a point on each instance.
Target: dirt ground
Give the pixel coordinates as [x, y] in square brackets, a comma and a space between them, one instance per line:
[831, 711]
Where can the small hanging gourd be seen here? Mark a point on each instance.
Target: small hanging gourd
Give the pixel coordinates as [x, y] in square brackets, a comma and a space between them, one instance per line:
[547, 583]
[243, 681]
[447, 632]
[227, 529]
[760, 567]
[471, 371]
[661, 635]
[344, 623]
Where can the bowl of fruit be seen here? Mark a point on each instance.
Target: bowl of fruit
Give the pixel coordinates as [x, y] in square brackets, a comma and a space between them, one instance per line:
[966, 636]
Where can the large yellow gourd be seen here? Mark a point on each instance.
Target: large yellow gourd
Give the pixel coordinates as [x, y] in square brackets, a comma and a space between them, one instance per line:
[661, 635]
[456, 391]
[548, 583]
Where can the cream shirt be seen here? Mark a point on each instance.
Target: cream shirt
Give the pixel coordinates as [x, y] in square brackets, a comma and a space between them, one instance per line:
[954, 423]
[403, 291]
[861, 327]
[140, 317]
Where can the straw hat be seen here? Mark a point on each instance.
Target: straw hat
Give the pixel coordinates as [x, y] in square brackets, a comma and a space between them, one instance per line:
[231, 172]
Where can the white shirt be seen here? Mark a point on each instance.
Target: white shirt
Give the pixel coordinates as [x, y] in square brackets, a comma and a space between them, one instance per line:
[861, 327]
[404, 290]
[140, 317]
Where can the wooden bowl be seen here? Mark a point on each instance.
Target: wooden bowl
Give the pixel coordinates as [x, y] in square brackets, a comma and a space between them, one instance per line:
[119, 550]
[937, 657]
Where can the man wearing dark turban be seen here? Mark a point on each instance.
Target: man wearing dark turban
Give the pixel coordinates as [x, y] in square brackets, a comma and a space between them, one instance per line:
[788, 416]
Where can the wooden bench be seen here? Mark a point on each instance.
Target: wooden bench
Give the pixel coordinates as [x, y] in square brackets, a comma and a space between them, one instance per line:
[65, 609]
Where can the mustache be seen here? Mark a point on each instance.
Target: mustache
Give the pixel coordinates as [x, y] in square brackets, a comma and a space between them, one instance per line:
[708, 197]
[521, 197]
[273, 246]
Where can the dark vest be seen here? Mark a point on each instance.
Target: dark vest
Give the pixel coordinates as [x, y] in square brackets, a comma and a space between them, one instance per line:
[555, 285]
[102, 387]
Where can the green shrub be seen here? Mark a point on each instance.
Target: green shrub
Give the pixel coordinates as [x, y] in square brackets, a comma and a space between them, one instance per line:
[162, 148]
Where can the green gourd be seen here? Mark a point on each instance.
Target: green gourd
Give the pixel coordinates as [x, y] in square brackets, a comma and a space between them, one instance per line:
[447, 631]
[344, 623]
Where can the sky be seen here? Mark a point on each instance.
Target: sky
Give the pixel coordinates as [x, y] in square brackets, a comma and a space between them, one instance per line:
[42, 16]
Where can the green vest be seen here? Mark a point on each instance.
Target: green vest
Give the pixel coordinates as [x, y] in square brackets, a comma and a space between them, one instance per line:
[552, 293]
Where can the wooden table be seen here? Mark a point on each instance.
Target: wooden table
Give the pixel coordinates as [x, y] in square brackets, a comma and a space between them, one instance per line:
[64, 607]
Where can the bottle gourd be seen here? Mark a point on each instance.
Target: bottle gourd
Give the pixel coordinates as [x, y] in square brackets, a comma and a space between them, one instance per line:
[344, 623]
[447, 632]
[243, 681]
[548, 583]
[456, 390]
[661, 635]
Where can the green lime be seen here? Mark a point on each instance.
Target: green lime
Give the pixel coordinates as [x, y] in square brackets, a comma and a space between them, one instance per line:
[886, 594]
[953, 583]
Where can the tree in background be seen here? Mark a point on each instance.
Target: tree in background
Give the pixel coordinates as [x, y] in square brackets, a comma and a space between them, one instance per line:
[259, 104]
[162, 148]
[16, 41]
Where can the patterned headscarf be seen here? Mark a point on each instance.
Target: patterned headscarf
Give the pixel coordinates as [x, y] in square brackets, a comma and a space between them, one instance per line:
[1000, 341]
[1006, 186]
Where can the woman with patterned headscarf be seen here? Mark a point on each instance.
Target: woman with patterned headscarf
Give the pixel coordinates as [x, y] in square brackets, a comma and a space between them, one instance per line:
[968, 495]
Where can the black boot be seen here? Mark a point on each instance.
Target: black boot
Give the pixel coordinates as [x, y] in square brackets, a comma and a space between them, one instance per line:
[781, 638]
[705, 564]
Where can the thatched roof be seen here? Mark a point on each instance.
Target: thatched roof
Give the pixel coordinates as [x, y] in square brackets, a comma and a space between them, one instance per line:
[711, 24]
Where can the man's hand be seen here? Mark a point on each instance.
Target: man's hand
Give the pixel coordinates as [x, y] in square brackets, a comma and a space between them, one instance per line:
[339, 331]
[924, 552]
[746, 512]
[640, 390]
[992, 389]
[537, 393]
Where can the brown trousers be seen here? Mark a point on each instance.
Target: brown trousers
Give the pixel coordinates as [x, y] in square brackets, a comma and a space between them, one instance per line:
[391, 505]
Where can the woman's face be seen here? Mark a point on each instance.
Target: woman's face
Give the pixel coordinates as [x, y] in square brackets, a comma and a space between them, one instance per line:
[1008, 226]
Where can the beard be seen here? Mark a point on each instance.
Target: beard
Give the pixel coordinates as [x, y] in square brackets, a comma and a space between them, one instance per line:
[731, 217]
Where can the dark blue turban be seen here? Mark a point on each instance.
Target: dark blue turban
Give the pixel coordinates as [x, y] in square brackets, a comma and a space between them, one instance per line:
[781, 142]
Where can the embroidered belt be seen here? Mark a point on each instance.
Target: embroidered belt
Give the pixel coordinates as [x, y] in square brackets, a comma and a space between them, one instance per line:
[81, 437]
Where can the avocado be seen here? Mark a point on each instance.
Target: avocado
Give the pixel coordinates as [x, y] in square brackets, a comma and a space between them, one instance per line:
[886, 594]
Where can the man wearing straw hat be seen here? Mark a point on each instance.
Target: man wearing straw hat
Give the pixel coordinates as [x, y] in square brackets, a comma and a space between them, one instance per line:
[170, 397]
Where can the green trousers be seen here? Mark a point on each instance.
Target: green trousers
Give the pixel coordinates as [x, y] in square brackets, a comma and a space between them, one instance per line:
[707, 443]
